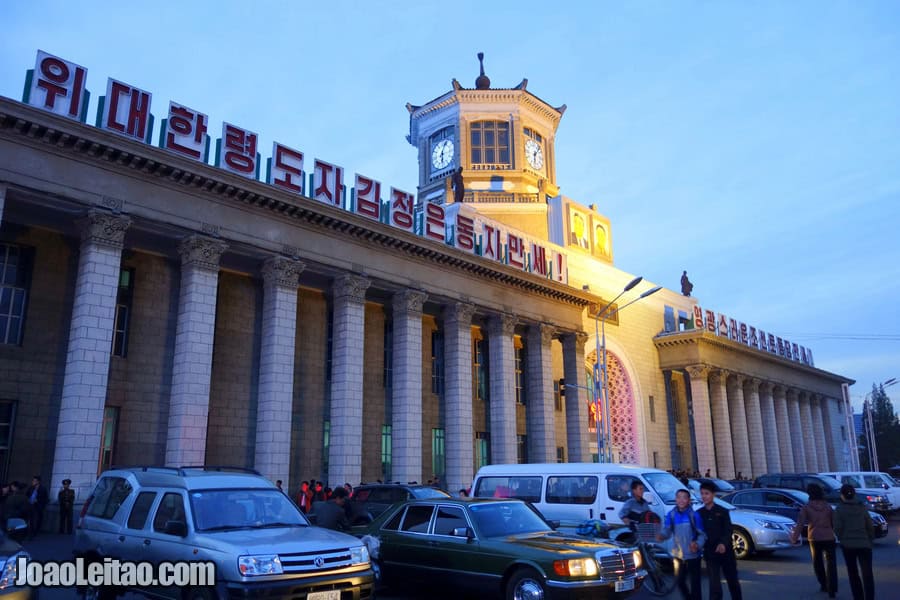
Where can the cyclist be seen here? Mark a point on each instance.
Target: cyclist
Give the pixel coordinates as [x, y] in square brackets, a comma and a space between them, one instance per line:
[634, 508]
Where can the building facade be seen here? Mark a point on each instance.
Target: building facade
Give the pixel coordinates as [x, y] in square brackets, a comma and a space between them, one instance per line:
[159, 309]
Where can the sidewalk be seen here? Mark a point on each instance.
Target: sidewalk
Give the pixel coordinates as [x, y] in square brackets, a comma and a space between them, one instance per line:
[50, 546]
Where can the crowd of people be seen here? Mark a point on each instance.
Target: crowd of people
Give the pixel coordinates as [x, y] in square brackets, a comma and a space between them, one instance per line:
[28, 502]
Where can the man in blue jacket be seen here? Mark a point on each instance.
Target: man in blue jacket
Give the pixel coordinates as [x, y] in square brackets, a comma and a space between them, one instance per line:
[686, 527]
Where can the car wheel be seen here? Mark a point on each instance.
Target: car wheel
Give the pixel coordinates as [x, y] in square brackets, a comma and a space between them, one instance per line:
[526, 584]
[742, 544]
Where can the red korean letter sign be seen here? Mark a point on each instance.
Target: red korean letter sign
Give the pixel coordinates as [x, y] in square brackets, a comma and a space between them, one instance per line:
[698, 317]
[286, 170]
[402, 206]
[185, 132]
[435, 222]
[328, 183]
[126, 110]
[238, 152]
[368, 197]
[58, 86]
[465, 233]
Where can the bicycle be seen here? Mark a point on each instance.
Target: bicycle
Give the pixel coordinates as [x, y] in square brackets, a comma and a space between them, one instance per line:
[659, 564]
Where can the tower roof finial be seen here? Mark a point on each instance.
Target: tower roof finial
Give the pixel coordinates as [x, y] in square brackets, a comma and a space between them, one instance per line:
[483, 82]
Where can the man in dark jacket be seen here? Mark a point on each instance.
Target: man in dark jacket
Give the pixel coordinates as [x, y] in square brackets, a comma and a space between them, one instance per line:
[331, 514]
[717, 550]
[853, 527]
[38, 498]
[66, 498]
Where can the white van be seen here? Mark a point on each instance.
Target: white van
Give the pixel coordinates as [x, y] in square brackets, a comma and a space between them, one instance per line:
[871, 480]
[575, 492]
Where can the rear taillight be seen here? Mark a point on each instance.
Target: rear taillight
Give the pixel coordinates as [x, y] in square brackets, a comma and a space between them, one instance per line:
[84, 510]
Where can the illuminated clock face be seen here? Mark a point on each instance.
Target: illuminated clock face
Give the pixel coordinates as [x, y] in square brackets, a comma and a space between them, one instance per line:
[534, 155]
[442, 154]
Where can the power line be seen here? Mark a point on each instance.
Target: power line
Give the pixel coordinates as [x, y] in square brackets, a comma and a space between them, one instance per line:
[866, 337]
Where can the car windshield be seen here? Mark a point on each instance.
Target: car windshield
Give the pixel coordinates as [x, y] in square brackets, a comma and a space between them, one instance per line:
[665, 485]
[428, 492]
[498, 519]
[219, 510]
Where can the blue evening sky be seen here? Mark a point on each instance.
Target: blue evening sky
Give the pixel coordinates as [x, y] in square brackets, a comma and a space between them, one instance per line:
[755, 144]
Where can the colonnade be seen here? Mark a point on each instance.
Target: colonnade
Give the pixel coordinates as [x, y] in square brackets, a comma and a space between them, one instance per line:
[745, 425]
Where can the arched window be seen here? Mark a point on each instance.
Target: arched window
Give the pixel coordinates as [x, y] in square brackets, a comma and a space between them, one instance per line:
[489, 141]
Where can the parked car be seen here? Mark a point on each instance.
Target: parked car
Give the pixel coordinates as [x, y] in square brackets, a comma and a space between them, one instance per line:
[375, 498]
[10, 552]
[722, 487]
[260, 542]
[787, 503]
[872, 480]
[741, 484]
[490, 546]
[875, 499]
[757, 532]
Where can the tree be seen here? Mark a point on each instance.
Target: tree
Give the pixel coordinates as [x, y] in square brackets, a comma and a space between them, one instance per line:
[886, 428]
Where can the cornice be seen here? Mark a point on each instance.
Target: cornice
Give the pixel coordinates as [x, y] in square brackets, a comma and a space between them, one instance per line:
[90, 144]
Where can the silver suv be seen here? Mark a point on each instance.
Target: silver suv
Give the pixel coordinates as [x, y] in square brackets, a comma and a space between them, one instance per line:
[260, 542]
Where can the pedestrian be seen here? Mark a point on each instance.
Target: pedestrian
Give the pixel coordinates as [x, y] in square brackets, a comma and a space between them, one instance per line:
[634, 508]
[853, 527]
[331, 514]
[463, 493]
[319, 493]
[686, 528]
[38, 499]
[304, 497]
[819, 518]
[280, 485]
[16, 504]
[718, 550]
[66, 498]
[707, 473]
[349, 489]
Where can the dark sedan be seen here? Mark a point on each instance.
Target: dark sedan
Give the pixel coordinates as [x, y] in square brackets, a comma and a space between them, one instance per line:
[375, 498]
[493, 546]
[787, 503]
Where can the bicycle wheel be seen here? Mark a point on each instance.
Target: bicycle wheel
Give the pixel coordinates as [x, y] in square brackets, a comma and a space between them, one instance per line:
[660, 579]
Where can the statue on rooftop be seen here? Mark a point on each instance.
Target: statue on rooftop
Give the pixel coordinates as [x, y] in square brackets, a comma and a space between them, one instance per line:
[459, 189]
[686, 286]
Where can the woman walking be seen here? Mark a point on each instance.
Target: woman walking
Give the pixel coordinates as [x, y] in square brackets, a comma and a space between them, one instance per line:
[855, 530]
[819, 518]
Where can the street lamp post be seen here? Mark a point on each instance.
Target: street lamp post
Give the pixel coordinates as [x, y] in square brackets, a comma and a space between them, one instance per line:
[870, 425]
[604, 452]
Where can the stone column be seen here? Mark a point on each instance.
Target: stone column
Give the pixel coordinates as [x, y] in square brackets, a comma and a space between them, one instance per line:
[502, 383]
[192, 363]
[811, 429]
[737, 413]
[78, 432]
[784, 428]
[796, 430]
[407, 386]
[755, 435]
[577, 434]
[348, 332]
[275, 398]
[822, 451]
[459, 440]
[539, 395]
[702, 415]
[721, 425]
[770, 429]
[832, 447]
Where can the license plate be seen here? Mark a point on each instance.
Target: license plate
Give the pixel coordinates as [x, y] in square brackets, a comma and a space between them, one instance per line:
[624, 586]
[329, 595]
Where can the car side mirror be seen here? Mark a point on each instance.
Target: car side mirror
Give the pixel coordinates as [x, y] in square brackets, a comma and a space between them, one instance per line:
[553, 523]
[465, 532]
[178, 528]
[17, 529]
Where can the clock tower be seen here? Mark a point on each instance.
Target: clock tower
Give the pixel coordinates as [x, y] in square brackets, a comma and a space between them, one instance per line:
[491, 147]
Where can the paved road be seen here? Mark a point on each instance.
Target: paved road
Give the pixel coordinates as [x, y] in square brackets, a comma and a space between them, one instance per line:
[784, 575]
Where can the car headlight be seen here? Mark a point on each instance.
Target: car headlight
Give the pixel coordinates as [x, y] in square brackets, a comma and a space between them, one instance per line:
[260, 564]
[576, 567]
[765, 523]
[359, 555]
[638, 561]
[10, 570]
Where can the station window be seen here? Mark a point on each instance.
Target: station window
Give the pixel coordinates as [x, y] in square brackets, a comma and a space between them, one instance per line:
[437, 362]
[437, 452]
[519, 354]
[386, 451]
[7, 423]
[522, 449]
[388, 376]
[108, 438]
[123, 313]
[15, 271]
[489, 143]
[482, 448]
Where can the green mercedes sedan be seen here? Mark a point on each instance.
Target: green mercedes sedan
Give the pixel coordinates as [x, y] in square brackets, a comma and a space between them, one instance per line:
[493, 547]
